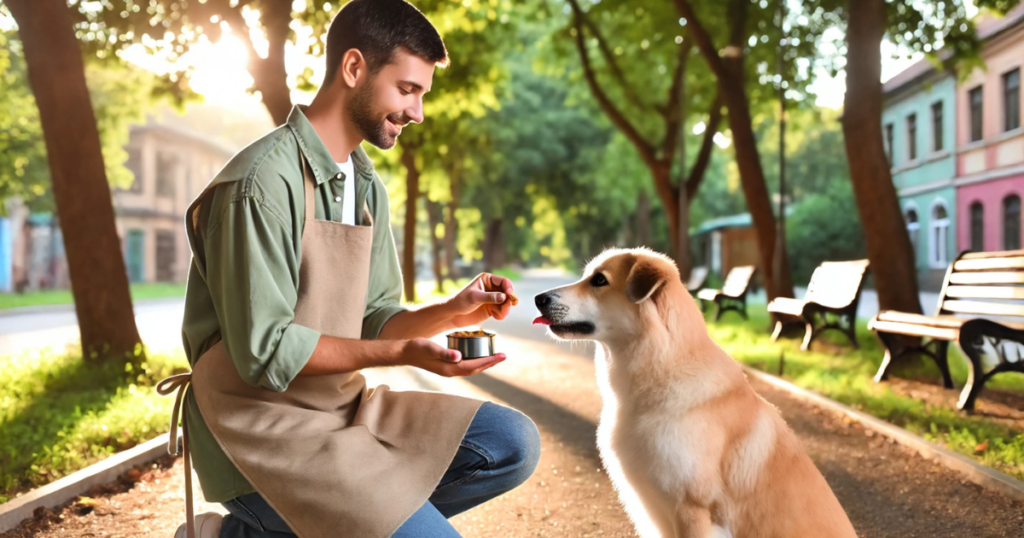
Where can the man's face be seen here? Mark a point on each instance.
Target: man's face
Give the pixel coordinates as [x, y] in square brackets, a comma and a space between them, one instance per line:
[387, 100]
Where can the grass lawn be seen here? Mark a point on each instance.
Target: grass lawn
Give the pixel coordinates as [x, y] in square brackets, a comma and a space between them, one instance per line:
[835, 370]
[50, 297]
[59, 414]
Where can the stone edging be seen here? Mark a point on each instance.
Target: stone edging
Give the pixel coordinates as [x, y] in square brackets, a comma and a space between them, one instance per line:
[54, 494]
[972, 470]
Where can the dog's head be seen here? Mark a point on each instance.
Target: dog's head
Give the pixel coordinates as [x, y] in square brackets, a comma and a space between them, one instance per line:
[622, 293]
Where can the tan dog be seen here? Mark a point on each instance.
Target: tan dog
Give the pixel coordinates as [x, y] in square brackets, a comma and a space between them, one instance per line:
[691, 448]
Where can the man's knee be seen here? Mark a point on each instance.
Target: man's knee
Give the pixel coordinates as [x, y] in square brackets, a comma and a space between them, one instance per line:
[521, 440]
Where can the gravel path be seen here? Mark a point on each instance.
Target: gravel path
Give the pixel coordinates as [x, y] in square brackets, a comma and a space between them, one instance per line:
[886, 490]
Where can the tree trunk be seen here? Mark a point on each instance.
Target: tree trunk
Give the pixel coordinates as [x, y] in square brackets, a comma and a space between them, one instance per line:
[888, 244]
[778, 282]
[269, 75]
[99, 281]
[494, 246]
[643, 219]
[435, 214]
[451, 225]
[412, 195]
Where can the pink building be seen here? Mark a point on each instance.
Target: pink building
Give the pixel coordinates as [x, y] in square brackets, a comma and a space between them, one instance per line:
[990, 141]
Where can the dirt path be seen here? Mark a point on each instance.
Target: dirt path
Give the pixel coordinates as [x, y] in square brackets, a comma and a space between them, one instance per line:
[887, 491]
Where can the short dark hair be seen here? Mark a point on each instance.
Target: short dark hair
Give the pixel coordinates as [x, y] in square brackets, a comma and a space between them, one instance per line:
[377, 28]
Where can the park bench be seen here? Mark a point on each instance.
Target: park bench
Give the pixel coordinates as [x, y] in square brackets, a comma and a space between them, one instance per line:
[830, 302]
[698, 277]
[733, 295]
[981, 307]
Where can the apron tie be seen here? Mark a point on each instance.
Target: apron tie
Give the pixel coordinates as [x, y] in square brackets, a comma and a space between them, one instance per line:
[180, 383]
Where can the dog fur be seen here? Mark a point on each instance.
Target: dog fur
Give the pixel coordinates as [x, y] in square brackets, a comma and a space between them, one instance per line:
[693, 451]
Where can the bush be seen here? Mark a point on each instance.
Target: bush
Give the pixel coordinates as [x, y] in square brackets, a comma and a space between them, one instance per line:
[823, 227]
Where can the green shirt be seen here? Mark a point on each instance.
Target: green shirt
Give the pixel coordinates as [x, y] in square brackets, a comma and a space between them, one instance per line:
[244, 277]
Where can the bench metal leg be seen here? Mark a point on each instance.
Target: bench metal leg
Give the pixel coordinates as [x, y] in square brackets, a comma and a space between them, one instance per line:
[894, 350]
[808, 335]
[819, 322]
[981, 338]
[726, 304]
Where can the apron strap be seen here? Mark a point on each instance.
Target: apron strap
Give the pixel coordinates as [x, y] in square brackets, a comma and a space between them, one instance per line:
[180, 383]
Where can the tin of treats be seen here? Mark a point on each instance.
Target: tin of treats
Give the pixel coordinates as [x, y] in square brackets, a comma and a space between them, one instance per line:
[472, 344]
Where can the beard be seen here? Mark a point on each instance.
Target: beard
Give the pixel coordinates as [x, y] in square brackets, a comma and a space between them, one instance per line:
[371, 125]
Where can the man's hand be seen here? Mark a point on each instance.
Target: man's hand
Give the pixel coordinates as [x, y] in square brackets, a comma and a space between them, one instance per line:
[485, 297]
[423, 353]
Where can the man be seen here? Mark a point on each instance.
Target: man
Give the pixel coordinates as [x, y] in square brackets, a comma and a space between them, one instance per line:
[295, 287]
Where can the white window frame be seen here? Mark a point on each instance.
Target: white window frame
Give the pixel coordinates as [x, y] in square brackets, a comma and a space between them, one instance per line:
[913, 228]
[938, 235]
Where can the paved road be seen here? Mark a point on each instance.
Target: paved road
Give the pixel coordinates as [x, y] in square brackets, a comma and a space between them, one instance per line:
[887, 491]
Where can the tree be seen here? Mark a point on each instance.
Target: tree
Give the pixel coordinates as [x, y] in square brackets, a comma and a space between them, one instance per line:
[727, 65]
[99, 281]
[653, 128]
[461, 94]
[919, 26]
[110, 26]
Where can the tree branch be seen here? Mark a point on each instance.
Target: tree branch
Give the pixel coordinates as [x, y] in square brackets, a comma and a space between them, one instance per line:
[700, 165]
[645, 148]
[673, 117]
[613, 65]
[703, 39]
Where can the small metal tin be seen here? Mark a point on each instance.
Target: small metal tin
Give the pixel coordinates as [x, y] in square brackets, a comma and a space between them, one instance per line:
[472, 347]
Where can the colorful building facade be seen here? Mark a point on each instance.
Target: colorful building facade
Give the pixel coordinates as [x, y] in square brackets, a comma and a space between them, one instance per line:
[918, 126]
[957, 151]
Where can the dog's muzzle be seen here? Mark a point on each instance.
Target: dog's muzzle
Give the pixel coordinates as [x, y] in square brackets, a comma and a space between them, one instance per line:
[556, 312]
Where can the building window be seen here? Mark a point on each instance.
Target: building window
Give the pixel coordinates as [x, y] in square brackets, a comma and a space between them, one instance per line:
[939, 235]
[937, 142]
[166, 169]
[977, 227]
[888, 142]
[912, 137]
[1011, 100]
[166, 257]
[1011, 222]
[134, 165]
[912, 226]
[976, 113]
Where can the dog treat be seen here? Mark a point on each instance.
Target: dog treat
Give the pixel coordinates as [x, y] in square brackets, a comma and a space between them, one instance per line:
[512, 297]
[469, 334]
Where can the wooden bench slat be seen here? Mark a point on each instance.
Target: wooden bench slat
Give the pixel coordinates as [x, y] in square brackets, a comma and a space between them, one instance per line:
[738, 280]
[985, 292]
[984, 308]
[786, 305]
[909, 329]
[992, 254]
[947, 321]
[988, 264]
[990, 277]
[835, 284]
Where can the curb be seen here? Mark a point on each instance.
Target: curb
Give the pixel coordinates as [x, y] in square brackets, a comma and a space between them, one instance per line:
[54, 494]
[972, 470]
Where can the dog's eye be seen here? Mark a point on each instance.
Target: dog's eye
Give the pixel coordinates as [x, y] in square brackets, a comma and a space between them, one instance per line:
[598, 280]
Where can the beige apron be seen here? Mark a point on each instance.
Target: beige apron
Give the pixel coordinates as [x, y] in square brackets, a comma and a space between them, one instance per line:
[331, 456]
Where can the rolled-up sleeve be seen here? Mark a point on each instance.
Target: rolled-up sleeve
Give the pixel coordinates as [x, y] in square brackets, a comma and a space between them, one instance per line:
[252, 273]
[384, 296]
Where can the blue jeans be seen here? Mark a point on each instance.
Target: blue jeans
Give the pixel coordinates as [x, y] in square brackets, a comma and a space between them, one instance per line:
[498, 453]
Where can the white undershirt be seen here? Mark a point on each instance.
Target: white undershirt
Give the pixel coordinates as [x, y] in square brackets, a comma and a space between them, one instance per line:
[348, 205]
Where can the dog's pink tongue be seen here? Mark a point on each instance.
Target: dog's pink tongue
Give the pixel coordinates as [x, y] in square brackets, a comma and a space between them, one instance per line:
[541, 320]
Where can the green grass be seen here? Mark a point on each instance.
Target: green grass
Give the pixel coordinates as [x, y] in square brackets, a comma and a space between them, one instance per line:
[59, 414]
[837, 371]
[52, 297]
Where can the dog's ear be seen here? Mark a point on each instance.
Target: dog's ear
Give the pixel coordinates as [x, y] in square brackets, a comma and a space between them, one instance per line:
[645, 278]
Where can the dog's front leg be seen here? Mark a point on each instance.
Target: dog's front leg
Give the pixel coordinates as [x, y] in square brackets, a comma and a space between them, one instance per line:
[693, 521]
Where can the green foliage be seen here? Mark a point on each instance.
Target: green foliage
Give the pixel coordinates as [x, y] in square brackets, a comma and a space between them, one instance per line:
[845, 375]
[823, 227]
[119, 95]
[59, 414]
